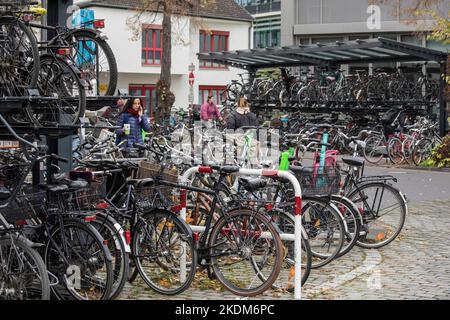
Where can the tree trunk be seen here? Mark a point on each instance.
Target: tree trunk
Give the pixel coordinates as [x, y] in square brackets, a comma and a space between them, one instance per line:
[164, 103]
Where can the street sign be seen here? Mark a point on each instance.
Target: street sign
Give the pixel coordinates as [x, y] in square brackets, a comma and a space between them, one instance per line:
[191, 94]
[191, 67]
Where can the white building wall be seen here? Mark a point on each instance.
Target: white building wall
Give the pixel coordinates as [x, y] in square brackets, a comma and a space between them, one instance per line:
[185, 47]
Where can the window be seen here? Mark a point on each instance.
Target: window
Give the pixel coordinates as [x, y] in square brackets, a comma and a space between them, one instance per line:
[149, 92]
[213, 41]
[215, 91]
[152, 45]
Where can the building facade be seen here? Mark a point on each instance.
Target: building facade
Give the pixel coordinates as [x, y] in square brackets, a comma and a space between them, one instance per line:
[325, 21]
[267, 24]
[224, 27]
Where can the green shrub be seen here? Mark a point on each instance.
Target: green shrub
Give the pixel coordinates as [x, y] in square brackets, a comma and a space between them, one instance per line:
[440, 156]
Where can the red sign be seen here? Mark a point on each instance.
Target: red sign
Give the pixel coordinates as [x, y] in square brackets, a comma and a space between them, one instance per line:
[191, 78]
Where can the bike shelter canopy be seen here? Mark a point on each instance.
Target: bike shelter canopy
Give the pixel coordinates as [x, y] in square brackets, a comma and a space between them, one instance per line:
[349, 52]
[335, 54]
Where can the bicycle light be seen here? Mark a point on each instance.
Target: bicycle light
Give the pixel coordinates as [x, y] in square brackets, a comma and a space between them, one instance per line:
[99, 24]
[63, 51]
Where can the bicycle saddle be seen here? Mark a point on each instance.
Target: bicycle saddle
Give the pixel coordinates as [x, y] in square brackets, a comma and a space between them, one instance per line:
[141, 183]
[252, 185]
[353, 161]
[78, 185]
[297, 170]
[5, 194]
[55, 188]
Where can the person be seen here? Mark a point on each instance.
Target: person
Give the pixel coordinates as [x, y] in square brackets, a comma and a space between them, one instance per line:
[242, 116]
[132, 122]
[210, 112]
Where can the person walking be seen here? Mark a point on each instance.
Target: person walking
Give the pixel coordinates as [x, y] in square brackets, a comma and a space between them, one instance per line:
[209, 113]
[132, 122]
[242, 116]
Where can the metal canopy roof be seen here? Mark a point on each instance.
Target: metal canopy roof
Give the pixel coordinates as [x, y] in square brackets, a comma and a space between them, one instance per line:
[349, 52]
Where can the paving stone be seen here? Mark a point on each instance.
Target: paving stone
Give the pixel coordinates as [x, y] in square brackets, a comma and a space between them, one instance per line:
[414, 267]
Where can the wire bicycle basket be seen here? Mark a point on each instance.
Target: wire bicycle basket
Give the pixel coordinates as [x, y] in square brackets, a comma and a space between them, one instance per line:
[319, 181]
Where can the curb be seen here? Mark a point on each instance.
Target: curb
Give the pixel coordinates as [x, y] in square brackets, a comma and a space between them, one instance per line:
[447, 170]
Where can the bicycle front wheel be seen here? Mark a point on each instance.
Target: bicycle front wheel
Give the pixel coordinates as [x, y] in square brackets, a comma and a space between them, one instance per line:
[23, 275]
[246, 252]
[77, 255]
[325, 228]
[286, 223]
[60, 79]
[164, 252]
[374, 149]
[19, 55]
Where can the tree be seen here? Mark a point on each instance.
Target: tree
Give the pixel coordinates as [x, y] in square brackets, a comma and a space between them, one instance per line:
[421, 10]
[170, 10]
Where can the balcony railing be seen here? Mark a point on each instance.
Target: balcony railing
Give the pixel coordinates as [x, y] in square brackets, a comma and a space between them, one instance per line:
[264, 8]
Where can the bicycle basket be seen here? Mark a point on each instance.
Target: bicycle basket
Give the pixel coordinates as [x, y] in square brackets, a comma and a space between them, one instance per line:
[319, 181]
[89, 198]
[24, 207]
[164, 197]
[149, 169]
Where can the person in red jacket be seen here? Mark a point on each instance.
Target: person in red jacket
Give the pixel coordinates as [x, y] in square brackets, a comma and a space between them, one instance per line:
[210, 112]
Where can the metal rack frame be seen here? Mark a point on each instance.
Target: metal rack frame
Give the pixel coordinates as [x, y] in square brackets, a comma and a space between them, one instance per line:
[332, 56]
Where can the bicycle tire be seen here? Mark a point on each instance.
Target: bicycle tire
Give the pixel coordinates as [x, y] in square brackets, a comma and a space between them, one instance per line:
[36, 263]
[62, 291]
[374, 147]
[220, 229]
[287, 225]
[110, 58]
[315, 226]
[32, 67]
[56, 77]
[358, 191]
[109, 230]
[353, 220]
[161, 258]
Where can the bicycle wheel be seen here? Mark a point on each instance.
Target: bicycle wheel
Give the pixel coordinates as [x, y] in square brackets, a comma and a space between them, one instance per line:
[383, 209]
[95, 59]
[407, 148]
[353, 222]
[374, 149]
[232, 93]
[286, 223]
[246, 252]
[58, 78]
[23, 275]
[395, 151]
[19, 55]
[111, 230]
[160, 243]
[80, 260]
[422, 151]
[325, 229]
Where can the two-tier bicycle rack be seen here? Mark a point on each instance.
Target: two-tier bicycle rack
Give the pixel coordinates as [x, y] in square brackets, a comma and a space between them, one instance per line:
[332, 56]
[57, 14]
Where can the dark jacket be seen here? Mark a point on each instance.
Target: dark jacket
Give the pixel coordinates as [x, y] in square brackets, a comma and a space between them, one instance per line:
[137, 124]
[237, 120]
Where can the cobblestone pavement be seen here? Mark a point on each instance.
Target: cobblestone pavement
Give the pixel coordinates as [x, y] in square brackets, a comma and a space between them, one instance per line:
[414, 266]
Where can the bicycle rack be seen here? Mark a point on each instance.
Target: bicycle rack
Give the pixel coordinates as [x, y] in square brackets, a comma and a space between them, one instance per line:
[296, 237]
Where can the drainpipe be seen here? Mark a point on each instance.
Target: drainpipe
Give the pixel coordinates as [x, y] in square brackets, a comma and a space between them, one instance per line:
[250, 35]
